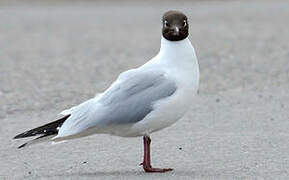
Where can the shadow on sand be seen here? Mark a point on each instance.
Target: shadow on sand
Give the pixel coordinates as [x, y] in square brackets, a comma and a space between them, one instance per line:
[120, 173]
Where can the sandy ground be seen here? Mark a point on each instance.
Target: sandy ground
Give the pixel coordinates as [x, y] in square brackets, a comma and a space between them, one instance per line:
[56, 56]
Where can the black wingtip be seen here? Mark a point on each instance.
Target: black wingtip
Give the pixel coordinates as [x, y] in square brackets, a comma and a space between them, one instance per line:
[50, 128]
[22, 145]
[17, 137]
[22, 135]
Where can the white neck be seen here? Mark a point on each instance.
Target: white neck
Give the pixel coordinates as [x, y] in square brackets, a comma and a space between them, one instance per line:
[177, 52]
[166, 44]
[179, 59]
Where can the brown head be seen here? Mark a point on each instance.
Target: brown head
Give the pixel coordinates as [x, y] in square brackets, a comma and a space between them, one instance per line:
[175, 26]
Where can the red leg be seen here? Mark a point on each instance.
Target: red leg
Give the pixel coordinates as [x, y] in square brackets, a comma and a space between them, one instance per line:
[147, 158]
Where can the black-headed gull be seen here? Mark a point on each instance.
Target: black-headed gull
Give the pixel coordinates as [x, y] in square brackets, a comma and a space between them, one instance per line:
[142, 100]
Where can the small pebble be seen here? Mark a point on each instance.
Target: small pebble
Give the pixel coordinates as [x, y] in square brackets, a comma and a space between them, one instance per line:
[180, 148]
[217, 100]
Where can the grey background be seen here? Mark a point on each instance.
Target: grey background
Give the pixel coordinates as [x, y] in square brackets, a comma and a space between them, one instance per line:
[53, 56]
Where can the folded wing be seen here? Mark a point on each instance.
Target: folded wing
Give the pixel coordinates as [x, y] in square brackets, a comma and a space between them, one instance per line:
[127, 101]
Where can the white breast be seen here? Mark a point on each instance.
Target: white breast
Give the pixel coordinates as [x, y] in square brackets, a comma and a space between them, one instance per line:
[179, 61]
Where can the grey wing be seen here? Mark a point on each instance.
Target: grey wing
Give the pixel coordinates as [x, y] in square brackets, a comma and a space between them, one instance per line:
[127, 101]
[133, 98]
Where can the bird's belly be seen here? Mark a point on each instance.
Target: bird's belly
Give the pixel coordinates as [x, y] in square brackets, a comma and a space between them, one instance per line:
[165, 113]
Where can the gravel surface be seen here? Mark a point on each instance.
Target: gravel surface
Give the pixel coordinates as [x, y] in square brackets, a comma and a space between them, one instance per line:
[53, 56]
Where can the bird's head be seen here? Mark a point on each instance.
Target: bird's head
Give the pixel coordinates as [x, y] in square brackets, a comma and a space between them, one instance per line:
[175, 26]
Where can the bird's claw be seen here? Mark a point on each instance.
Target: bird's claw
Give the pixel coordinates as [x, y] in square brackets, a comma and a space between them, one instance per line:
[156, 170]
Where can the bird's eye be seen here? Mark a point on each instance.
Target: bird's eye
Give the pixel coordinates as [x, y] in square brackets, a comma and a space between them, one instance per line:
[185, 23]
[166, 23]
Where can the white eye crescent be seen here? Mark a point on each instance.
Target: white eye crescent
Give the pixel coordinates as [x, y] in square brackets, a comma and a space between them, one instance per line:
[185, 23]
[166, 23]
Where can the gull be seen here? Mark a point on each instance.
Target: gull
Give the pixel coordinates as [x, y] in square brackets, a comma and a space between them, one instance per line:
[141, 101]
